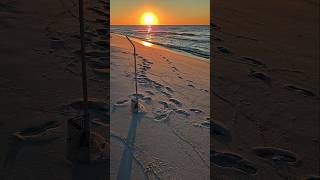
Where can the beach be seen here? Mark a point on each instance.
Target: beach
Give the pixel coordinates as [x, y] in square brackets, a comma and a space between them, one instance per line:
[41, 88]
[265, 82]
[169, 138]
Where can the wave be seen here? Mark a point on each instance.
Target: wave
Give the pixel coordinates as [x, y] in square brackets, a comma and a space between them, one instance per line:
[188, 39]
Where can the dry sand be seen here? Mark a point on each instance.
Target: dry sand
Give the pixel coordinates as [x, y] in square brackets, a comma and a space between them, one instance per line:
[170, 139]
[40, 86]
[265, 79]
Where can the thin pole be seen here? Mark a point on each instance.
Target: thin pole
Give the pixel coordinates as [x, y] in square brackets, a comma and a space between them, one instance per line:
[135, 66]
[86, 140]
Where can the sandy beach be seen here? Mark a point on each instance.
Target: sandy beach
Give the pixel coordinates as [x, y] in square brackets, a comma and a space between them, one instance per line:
[170, 138]
[265, 79]
[262, 123]
[40, 87]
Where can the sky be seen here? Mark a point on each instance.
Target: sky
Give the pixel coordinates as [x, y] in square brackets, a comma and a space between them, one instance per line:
[168, 12]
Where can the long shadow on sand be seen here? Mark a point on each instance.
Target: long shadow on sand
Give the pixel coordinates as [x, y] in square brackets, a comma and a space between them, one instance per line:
[125, 167]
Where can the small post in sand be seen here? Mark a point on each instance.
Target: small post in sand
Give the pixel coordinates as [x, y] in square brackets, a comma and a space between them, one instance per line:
[78, 136]
[86, 124]
[135, 102]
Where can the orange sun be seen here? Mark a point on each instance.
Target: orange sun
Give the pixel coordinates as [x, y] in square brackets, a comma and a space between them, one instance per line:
[149, 18]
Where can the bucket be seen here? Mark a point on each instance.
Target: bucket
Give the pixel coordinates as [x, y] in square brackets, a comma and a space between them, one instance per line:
[75, 133]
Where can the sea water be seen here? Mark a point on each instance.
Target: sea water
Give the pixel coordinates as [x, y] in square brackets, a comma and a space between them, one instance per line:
[193, 40]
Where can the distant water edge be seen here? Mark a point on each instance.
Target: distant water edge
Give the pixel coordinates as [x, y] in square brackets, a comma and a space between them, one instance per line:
[193, 40]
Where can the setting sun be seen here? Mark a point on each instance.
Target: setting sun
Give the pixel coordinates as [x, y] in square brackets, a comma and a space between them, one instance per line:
[149, 18]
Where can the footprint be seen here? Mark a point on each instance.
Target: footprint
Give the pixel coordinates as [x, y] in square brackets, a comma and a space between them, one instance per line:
[161, 116]
[147, 62]
[205, 124]
[252, 62]
[142, 80]
[139, 96]
[156, 83]
[219, 132]
[224, 50]
[142, 76]
[44, 133]
[276, 155]
[56, 43]
[121, 103]
[146, 67]
[198, 111]
[169, 89]
[204, 90]
[147, 99]
[174, 69]
[166, 94]
[182, 112]
[149, 92]
[169, 62]
[175, 101]
[142, 72]
[233, 161]
[190, 85]
[260, 76]
[39, 133]
[165, 104]
[124, 52]
[301, 91]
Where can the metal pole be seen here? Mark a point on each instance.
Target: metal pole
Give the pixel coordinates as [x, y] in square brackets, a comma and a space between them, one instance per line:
[135, 66]
[86, 140]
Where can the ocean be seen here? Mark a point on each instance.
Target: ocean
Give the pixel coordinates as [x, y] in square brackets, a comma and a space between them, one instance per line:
[193, 40]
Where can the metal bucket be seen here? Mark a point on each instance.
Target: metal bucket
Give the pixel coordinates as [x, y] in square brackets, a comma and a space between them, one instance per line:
[75, 133]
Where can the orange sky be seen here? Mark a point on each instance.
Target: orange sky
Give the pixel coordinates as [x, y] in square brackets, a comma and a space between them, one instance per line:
[168, 12]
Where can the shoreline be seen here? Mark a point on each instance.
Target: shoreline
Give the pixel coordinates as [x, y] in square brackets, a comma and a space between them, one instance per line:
[165, 48]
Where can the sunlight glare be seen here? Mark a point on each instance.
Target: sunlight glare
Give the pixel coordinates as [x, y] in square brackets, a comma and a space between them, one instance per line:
[146, 44]
[149, 19]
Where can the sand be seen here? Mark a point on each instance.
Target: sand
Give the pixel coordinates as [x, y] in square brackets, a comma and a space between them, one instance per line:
[170, 138]
[265, 86]
[40, 87]
[265, 82]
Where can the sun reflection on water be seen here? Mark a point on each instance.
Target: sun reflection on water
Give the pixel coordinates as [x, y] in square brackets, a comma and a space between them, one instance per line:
[147, 44]
[148, 37]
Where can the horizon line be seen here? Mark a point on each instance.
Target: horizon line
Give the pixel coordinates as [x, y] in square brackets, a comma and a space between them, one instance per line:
[160, 25]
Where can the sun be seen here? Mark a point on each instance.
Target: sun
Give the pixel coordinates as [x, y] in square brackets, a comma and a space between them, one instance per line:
[149, 18]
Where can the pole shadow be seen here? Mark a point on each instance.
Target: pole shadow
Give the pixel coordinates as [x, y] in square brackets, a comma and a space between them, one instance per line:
[125, 167]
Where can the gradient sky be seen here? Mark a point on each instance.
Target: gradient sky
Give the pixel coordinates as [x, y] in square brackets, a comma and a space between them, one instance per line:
[169, 12]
